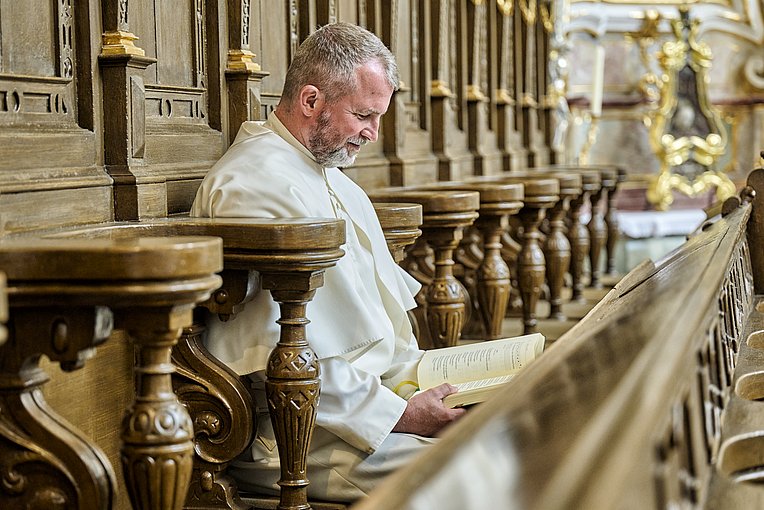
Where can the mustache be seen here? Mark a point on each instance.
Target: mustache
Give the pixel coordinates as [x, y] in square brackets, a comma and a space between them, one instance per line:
[361, 140]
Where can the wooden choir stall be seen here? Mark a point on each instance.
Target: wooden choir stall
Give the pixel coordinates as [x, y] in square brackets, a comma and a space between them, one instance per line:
[111, 114]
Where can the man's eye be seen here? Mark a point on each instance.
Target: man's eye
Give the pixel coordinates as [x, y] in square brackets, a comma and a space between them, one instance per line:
[362, 116]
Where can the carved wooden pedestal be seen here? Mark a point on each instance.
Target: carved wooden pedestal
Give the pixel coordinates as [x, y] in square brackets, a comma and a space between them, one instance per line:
[540, 194]
[611, 220]
[445, 214]
[61, 295]
[400, 224]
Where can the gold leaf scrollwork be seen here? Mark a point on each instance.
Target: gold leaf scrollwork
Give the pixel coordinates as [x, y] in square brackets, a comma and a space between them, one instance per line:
[528, 9]
[506, 6]
[546, 18]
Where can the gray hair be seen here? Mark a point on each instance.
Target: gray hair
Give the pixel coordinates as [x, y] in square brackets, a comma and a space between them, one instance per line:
[329, 57]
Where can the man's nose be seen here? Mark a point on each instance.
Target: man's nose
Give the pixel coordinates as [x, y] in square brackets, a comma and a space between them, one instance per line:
[370, 132]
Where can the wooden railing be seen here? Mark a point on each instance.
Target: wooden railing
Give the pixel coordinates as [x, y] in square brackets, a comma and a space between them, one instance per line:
[632, 407]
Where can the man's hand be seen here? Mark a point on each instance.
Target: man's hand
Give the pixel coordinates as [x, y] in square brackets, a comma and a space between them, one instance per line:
[425, 413]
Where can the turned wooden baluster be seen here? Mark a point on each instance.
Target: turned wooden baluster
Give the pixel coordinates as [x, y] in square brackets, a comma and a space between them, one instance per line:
[62, 293]
[557, 249]
[611, 220]
[444, 216]
[597, 227]
[497, 201]
[578, 234]
[540, 194]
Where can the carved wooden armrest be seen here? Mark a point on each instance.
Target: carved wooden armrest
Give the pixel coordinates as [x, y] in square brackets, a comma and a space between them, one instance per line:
[400, 224]
[291, 256]
[540, 194]
[444, 216]
[498, 200]
[64, 296]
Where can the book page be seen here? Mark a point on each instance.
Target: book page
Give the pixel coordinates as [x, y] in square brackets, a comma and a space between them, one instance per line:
[473, 362]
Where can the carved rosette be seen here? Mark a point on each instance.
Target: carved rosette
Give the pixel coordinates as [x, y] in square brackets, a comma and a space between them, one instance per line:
[578, 235]
[597, 239]
[557, 252]
[531, 265]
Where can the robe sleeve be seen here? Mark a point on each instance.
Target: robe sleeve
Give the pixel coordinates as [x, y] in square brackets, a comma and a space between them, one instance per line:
[356, 406]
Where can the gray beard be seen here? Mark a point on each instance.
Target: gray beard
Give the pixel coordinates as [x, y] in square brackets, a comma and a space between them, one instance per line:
[338, 157]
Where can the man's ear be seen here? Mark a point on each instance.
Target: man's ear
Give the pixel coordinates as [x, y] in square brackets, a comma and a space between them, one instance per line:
[311, 100]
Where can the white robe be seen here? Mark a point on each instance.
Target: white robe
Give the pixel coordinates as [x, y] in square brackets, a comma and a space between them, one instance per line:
[359, 327]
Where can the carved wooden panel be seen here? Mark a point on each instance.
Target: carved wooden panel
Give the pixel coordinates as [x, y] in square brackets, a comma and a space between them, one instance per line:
[47, 141]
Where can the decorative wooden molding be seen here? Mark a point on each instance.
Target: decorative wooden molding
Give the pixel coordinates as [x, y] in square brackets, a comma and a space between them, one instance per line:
[120, 43]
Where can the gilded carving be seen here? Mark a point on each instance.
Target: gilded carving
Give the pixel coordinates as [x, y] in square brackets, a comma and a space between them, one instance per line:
[685, 131]
[506, 6]
[120, 43]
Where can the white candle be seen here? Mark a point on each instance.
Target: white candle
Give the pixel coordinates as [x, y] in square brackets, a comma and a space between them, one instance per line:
[598, 78]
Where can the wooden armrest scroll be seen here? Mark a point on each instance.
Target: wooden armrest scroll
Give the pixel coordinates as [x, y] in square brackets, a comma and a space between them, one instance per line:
[64, 298]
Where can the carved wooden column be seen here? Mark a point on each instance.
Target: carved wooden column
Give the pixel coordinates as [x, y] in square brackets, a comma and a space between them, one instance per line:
[444, 216]
[597, 227]
[497, 201]
[448, 90]
[611, 220]
[578, 234]
[292, 384]
[557, 249]
[509, 136]
[540, 195]
[62, 294]
[243, 74]
[400, 223]
[526, 25]
[481, 86]
[122, 69]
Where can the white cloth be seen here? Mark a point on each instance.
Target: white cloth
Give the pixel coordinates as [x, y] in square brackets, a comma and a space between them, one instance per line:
[359, 327]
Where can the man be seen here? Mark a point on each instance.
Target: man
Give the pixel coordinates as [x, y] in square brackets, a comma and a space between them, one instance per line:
[336, 90]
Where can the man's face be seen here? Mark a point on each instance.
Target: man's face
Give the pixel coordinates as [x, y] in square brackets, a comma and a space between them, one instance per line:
[350, 122]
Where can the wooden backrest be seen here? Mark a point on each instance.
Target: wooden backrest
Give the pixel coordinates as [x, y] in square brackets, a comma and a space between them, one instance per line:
[626, 408]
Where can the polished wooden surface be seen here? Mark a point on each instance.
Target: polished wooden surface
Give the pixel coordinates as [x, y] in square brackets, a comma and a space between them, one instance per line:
[641, 404]
[79, 290]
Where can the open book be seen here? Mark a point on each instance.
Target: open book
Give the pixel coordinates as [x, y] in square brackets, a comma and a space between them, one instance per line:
[477, 369]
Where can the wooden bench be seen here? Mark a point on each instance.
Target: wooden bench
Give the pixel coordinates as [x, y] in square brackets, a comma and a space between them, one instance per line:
[65, 296]
[651, 401]
[290, 256]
